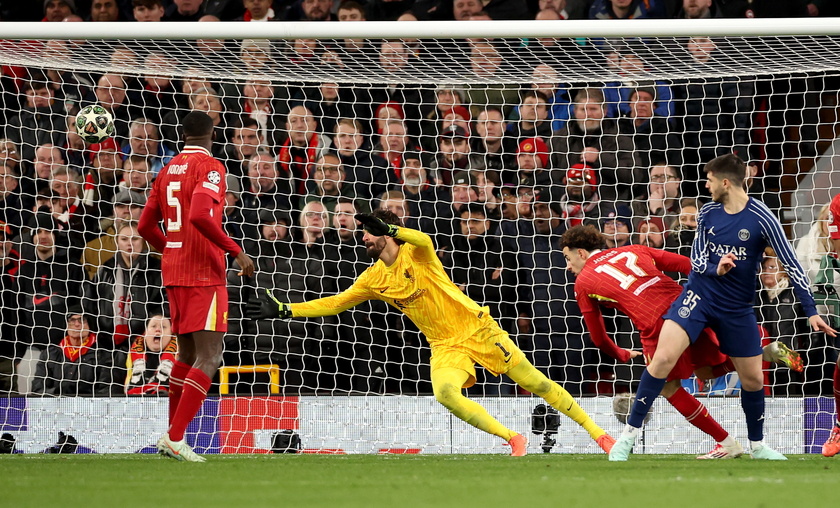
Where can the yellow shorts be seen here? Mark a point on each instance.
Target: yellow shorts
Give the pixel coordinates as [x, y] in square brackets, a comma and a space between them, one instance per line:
[490, 347]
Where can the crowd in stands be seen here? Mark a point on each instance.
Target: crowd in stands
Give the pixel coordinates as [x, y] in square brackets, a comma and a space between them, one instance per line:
[495, 174]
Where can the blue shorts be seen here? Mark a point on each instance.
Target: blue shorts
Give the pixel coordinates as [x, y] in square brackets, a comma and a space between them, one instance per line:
[736, 329]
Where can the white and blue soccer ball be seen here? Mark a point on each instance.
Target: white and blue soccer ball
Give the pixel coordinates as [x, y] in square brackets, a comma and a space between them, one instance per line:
[94, 124]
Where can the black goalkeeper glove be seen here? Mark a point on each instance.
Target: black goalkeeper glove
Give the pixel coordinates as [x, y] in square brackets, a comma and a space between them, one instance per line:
[375, 226]
[265, 306]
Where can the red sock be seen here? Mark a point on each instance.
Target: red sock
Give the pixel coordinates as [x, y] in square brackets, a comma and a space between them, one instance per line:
[837, 391]
[196, 385]
[697, 414]
[723, 368]
[176, 386]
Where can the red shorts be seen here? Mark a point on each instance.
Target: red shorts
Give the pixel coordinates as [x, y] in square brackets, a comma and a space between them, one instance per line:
[194, 309]
[705, 352]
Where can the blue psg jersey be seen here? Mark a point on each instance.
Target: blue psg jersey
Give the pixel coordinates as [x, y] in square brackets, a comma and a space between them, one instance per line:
[744, 234]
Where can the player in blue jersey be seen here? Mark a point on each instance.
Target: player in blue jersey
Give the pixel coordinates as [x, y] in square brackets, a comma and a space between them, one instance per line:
[732, 232]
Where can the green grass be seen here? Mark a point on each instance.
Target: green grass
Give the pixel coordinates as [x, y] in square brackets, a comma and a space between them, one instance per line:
[563, 481]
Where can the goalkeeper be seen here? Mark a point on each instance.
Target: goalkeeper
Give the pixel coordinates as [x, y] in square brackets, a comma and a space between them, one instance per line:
[409, 276]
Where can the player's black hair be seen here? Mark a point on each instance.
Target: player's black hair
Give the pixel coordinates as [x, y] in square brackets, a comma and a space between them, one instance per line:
[387, 216]
[582, 237]
[197, 124]
[728, 166]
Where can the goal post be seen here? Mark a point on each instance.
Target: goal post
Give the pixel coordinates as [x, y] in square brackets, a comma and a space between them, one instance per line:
[461, 128]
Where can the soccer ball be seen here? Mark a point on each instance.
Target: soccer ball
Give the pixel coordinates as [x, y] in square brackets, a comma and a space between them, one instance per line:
[94, 124]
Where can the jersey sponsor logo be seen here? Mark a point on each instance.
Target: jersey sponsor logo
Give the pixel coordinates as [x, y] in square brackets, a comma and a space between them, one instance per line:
[744, 235]
[402, 304]
[722, 250]
[214, 177]
[409, 275]
[177, 169]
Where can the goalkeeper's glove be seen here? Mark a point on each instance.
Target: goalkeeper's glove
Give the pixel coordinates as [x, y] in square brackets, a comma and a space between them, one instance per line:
[267, 307]
[376, 226]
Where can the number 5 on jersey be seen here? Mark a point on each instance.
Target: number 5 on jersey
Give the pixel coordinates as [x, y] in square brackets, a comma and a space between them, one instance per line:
[172, 200]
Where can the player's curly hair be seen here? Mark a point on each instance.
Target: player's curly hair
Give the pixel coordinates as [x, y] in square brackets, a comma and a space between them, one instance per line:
[582, 237]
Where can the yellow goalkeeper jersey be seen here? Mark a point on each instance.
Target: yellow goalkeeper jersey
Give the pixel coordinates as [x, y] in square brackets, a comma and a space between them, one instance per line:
[415, 283]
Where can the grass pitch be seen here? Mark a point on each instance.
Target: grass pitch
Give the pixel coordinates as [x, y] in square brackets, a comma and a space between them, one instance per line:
[403, 481]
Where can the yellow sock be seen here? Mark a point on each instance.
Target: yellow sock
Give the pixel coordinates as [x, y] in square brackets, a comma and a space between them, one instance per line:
[447, 384]
[527, 376]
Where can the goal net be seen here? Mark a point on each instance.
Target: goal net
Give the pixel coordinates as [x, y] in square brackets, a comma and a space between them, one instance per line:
[492, 138]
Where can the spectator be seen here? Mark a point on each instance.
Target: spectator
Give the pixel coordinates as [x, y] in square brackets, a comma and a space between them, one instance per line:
[699, 9]
[48, 157]
[303, 147]
[148, 10]
[651, 233]
[264, 189]
[617, 227]
[780, 313]
[9, 266]
[393, 143]
[533, 117]
[144, 141]
[492, 149]
[447, 98]
[57, 10]
[581, 203]
[104, 10]
[294, 269]
[137, 175]
[713, 117]
[47, 283]
[11, 207]
[184, 10]
[126, 290]
[259, 103]
[811, 248]
[244, 143]
[41, 122]
[311, 10]
[532, 164]
[127, 207]
[453, 155]
[104, 175]
[82, 224]
[366, 172]
[486, 63]
[627, 9]
[681, 239]
[77, 365]
[233, 222]
[110, 93]
[631, 67]
[151, 359]
[546, 81]
[652, 135]
[258, 10]
[328, 183]
[591, 139]
[662, 198]
[545, 296]
[10, 155]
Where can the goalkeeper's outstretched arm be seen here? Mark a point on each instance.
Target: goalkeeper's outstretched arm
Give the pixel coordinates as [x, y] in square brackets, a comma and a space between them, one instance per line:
[266, 306]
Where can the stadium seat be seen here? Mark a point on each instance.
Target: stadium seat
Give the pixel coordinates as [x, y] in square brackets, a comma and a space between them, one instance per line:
[272, 370]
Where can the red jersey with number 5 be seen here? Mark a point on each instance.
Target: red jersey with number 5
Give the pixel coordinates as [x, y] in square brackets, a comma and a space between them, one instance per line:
[190, 259]
[629, 279]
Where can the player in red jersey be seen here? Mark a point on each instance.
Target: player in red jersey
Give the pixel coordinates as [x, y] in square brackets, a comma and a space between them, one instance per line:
[631, 279]
[832, 446]
[188, 196]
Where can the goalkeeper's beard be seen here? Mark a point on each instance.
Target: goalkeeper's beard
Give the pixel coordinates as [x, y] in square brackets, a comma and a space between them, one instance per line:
[375, 248]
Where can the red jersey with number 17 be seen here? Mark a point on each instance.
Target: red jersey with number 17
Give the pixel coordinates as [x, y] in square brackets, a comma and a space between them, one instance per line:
[629, 279]
[190, 259]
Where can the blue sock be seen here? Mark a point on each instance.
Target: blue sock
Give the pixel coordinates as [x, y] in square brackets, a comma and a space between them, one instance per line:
[649, 388]
[753, 406]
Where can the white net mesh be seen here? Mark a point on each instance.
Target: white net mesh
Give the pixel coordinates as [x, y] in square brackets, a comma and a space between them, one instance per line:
[402, 119]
